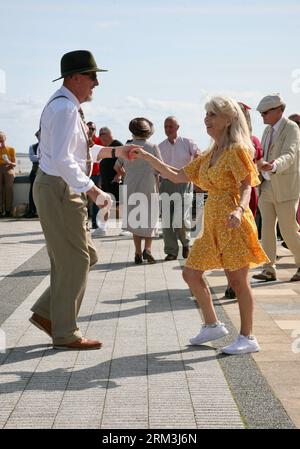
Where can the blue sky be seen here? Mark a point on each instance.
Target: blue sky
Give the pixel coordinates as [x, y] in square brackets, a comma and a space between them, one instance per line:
[164, 58]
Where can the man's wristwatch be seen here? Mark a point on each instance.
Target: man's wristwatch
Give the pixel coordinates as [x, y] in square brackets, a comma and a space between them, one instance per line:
[113, 152]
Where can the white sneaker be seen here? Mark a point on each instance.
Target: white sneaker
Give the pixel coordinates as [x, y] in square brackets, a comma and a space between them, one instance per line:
[124, 233]
[242, 345]
[209, 332]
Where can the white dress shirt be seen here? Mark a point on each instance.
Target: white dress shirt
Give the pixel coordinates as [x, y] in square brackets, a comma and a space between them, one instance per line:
[178, 154]
[63, 145]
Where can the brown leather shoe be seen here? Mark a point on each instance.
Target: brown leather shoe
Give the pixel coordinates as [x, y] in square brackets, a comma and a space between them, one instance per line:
[296, 276]
[41, 323]
[80, 344]
[185, 252]
[170, 257]
[265, 275]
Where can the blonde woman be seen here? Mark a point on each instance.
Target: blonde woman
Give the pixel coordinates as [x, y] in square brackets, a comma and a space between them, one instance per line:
[229, 240]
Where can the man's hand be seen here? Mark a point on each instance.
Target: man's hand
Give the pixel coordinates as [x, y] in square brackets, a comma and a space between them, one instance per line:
[99, 197]
[266, 166]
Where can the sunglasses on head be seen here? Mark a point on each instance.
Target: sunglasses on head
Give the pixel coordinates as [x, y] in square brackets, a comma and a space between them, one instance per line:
[91, 75]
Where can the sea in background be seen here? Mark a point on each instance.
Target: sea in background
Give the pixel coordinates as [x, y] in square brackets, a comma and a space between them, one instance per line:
[24, 164]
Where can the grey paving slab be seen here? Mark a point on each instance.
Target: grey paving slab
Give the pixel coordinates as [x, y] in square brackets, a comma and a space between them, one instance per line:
[146, 375]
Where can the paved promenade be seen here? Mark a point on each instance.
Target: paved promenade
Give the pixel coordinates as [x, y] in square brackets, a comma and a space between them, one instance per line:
[146, 375]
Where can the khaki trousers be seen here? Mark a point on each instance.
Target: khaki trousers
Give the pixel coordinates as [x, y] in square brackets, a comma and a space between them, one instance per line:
[285, 213]
[7, 178]
[174, 220]
[64, 220]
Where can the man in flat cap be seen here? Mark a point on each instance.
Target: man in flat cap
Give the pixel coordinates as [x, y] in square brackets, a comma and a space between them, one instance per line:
[60, 193]
[280, 188]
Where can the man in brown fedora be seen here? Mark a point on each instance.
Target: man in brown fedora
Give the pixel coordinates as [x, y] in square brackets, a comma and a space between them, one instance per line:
[60, 193]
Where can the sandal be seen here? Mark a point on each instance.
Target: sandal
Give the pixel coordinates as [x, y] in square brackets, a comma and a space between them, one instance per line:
[148, 256]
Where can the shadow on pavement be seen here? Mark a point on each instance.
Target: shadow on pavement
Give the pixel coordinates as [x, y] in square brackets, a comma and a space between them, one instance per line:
[104, 375]
[156, 302]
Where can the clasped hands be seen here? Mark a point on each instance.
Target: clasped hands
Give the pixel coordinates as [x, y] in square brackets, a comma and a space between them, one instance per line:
[264, 165]
[132, 152]
[102, 199]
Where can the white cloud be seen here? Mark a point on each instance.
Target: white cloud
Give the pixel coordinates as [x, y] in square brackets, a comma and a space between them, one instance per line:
[134, 102]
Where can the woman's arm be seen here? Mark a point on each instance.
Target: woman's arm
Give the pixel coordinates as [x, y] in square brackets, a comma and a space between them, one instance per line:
[245, 194]
[235, 217]
[173, 174]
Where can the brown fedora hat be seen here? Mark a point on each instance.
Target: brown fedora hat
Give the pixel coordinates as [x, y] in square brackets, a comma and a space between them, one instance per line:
[141, 127]
[78, 61]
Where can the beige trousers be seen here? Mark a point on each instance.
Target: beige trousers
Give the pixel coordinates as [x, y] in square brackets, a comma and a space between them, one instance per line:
[285, 213]
[63, 216]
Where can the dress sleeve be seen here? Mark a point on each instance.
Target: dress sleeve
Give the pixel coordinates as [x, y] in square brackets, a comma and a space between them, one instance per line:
[242, 165]
[192, 169]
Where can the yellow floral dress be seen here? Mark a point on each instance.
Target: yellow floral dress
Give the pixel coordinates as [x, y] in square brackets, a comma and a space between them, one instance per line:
[219, 246]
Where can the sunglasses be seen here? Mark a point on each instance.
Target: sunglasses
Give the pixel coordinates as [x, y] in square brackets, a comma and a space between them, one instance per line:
[91, 75]
[267, 112]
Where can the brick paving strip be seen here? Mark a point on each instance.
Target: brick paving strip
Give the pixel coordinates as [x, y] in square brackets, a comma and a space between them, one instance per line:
[146, 376]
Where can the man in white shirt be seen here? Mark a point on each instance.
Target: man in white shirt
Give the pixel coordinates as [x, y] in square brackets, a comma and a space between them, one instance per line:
[280, 188]
[177, 152]
[60, 193]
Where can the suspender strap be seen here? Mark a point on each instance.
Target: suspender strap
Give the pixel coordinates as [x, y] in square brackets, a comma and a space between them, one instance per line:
[89, 157]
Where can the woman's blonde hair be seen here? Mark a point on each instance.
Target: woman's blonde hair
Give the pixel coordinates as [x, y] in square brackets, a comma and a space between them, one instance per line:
[237, 134]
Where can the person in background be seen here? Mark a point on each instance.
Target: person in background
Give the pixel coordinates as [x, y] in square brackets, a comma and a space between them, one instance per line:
[110, 179]
[7, 176]
[34, 157]
[95, 176]
[295, 118]
[176, 151]
[280, 188]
